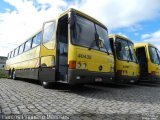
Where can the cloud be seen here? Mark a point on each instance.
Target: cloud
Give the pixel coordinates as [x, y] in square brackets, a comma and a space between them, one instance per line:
[136, 34]
[153, 38]
[121, 13]
[27, 18]
[144, 36]
[28, 15]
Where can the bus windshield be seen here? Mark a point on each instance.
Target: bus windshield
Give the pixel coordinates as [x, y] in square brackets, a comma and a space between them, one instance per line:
[158, 55]
[86, 35]
[133, 55]
[153, 55]
[126, 52]
[103, 36]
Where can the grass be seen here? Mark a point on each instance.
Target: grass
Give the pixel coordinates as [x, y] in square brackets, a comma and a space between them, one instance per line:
[3, 74]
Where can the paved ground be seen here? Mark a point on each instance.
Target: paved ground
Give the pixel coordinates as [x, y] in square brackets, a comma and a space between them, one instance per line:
[89, 102]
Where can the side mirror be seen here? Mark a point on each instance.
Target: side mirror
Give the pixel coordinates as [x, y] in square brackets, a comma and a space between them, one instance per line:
[101, 42]
[97, 40]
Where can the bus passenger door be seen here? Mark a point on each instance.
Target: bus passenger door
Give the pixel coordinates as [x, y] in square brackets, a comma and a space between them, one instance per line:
[47, 64]
[142, 59]
[62, 50]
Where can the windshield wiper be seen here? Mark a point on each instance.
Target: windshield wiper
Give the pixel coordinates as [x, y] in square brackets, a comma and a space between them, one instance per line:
[130, 56]
[97, 41]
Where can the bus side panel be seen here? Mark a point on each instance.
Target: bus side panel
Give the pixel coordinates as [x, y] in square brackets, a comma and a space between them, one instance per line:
[26, 65]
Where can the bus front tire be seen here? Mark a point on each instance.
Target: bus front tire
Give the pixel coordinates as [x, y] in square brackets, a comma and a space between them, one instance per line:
[45, 84]
[10, 74]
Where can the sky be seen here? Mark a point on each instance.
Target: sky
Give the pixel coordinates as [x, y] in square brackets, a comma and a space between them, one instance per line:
[139, 20]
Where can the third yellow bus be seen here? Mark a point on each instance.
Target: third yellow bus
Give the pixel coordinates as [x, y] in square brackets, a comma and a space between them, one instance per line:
[149, 59]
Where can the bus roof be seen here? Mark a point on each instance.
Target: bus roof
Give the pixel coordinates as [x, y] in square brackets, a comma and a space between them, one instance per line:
[83, 14]
[119, 36]
[144, 44]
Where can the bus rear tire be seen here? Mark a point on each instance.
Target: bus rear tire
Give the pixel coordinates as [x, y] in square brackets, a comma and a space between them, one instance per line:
[14, 75]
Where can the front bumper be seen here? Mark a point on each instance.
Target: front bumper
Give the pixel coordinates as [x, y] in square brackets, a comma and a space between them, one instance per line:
[84, 77]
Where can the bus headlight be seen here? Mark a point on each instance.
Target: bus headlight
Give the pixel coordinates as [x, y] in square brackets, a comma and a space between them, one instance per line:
[78, 65]
[84, 65]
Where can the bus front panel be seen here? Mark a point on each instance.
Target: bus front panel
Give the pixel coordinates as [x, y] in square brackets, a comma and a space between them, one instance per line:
[88, 60]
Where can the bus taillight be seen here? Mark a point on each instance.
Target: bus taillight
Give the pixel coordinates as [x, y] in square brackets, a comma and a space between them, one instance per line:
[72, 64]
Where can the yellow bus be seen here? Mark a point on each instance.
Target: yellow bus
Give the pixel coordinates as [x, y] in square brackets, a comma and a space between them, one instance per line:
[149, 59]
[126, 64]
[71, 49]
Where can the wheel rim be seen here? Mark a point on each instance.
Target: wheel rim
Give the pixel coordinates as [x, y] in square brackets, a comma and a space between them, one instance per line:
[44, 83]
[10, 75]
[14, 75]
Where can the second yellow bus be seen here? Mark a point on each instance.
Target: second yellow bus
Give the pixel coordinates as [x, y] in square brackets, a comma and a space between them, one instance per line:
[126, 64]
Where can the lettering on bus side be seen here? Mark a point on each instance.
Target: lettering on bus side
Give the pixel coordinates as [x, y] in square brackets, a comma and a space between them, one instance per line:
[84, 56]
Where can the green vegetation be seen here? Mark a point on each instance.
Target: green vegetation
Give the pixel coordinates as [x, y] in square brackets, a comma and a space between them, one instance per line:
[3, 74]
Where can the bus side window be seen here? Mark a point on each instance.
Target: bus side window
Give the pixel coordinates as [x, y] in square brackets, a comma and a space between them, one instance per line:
[8, 55]
[27, 45]
[158, 55]
[36, 39]
[49, 35]
[153, 55]
[13, 53]
[16, 51]
[21, 49]
[48, 31]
